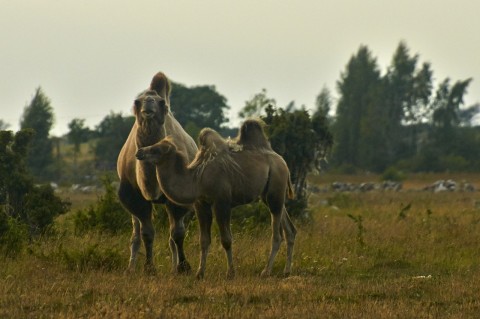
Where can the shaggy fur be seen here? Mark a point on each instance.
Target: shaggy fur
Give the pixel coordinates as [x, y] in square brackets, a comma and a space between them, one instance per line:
[139, 186]
[221, 178]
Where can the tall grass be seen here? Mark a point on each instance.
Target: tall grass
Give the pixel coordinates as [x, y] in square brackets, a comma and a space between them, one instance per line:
[419, 257]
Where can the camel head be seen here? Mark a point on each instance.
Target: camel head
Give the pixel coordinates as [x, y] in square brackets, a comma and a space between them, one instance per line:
[150, 107]
[150, 111]
[158, 152]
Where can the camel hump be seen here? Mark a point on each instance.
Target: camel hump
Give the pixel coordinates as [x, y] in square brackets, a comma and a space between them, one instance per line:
[211, 140]
[252, 135]
[161, 85]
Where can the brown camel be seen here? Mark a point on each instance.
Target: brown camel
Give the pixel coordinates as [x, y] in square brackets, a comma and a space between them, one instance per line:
[139, 187]
[223, 176]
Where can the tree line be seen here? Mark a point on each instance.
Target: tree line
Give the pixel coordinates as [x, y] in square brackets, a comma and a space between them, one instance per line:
[380, 120]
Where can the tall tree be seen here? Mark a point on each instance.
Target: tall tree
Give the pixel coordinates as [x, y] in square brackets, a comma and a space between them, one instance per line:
[357, 88]
[323, 102]
[255, 106]
[200, 105]
[302, 141]
[38, 115]
[3, 125]
[77, 135]
[112, 133]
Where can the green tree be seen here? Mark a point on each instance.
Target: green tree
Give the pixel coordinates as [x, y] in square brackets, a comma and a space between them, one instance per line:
[302, 141]
[3, 125]
[112, 132]
[323, 102]
[77, 135]
[22, 202]
[200, 105]
[446, 114]
[38, 115]
[358, 90]
[255, 106]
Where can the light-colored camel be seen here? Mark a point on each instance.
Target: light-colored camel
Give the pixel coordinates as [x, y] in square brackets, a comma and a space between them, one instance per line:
[139, 187]
[222, 176]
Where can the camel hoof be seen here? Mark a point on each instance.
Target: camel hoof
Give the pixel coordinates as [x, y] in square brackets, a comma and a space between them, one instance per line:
[183, 267]
[150, 270]
[265, 273]
[230, 274]
[200, 275]
[286, 274]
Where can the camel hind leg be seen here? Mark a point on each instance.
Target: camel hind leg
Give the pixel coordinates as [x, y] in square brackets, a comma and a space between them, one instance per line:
[176, 215]
[290, 233]
[204, 215]
[276, 207]
[222, 212]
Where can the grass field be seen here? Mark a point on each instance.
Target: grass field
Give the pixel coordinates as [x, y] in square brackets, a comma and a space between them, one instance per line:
[409, 254]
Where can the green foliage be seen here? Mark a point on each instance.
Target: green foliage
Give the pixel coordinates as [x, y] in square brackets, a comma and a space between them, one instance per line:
[106, 215]
[354, 123]
[41, 206]
[251, 216]
[385, 120]
[13, 235]
[3, 125]
[34, 207]
[358, 220]
[301, 140]
[111, 133]
[77, 135]
[201, 105]
[256, 105]
[38, 115]
[91, 257]
[393, 174]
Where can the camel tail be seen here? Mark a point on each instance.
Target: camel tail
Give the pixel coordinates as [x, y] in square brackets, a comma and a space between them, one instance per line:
[290, 192]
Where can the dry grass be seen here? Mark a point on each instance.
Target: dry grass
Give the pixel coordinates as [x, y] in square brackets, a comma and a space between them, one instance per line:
[416, 262]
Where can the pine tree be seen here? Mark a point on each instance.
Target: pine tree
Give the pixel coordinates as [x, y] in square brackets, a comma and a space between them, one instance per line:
[38, 115]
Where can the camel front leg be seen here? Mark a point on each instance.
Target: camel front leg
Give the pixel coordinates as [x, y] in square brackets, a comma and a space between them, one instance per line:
[204, 216]
[148, 235]
[176, 215]
[135, 243]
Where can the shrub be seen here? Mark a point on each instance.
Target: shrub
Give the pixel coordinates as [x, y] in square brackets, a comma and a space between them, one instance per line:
[90, 257]
[13, 235]
[393, 174]
[107, 214]
[41, 207]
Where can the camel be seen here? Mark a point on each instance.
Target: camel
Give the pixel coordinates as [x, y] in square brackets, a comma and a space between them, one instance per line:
[224, 175]
[139, 187]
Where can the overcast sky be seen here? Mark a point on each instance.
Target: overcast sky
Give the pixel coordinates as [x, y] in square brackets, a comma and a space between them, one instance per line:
[93, 57]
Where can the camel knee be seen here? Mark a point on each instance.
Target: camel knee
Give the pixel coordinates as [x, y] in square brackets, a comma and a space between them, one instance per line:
[177, 234]
[226, 242]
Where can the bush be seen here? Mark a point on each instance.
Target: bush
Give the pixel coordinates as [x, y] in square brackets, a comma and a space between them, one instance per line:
[13, 235]
[107, 214]
[393, 174]
[41, 207]
[91, 257]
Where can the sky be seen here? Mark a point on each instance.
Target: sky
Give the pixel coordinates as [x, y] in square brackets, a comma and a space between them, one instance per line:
[92, 57]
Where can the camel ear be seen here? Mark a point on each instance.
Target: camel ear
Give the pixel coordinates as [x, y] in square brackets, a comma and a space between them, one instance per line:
[137, 104]
[161, 85]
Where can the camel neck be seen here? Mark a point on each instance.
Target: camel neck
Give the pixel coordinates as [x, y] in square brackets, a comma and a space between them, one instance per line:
[177, 181]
